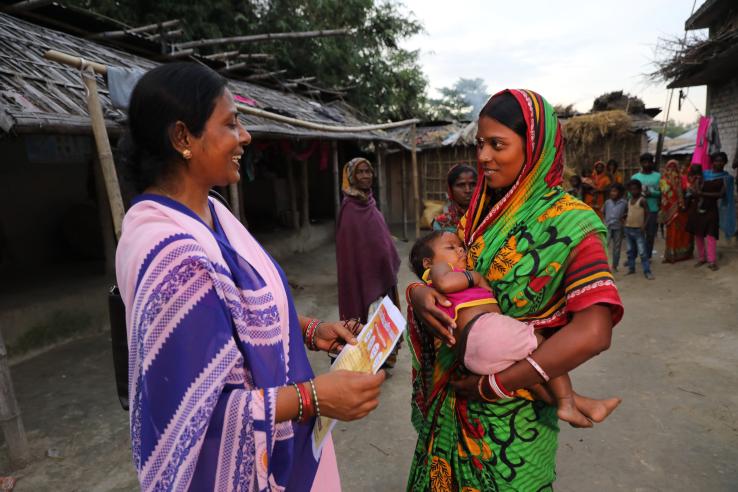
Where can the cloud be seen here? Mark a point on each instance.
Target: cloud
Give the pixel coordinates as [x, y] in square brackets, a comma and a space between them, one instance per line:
[569, 50]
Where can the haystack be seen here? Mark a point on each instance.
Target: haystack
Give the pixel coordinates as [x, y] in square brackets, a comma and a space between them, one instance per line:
[590, 133]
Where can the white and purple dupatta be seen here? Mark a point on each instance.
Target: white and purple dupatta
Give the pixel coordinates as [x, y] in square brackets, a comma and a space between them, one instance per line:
[212, 332]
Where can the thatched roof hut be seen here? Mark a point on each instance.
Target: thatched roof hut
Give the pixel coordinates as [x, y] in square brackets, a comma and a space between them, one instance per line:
[606, 135]
[42, 96]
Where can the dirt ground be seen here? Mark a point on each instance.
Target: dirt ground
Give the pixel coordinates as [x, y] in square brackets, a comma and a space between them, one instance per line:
[673, 360]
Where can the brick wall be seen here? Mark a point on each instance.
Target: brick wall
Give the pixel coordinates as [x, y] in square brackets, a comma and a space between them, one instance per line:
[722, 104]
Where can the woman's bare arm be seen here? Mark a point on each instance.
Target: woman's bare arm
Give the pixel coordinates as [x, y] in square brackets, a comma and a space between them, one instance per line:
[588, 334]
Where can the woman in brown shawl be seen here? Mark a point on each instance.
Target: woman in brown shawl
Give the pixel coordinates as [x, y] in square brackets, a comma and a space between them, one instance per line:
[366, 256]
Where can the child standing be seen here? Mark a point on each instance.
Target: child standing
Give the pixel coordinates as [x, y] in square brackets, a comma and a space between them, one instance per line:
[615, 210]
[703, 217]
[635, 225]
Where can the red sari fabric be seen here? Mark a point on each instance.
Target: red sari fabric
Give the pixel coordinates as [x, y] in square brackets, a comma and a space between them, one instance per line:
[679, 242]
[588, 281]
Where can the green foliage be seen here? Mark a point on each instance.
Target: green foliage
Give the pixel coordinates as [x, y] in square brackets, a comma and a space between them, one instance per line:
[675, 128]
[460, 102]
[384, 81]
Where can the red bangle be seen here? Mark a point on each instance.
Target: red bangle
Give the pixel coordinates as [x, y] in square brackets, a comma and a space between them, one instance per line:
[307, 402]
[502, 388]
[410, 288]
[309, 334]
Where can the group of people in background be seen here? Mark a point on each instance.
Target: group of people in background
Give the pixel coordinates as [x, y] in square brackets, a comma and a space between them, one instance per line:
[691, 203]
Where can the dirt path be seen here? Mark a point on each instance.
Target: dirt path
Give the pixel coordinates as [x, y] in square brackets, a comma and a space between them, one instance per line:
[673, 360]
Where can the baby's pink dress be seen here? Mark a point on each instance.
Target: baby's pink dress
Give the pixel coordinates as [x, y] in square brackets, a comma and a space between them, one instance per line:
[494, 341]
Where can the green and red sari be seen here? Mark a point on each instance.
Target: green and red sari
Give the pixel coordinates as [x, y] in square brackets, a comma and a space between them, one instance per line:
[543, 252]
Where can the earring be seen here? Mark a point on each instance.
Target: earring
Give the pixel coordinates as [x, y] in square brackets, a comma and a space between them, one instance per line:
[187, 154]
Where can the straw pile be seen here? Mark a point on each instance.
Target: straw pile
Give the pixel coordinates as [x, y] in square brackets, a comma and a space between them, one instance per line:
[594, 136]
[588, 129]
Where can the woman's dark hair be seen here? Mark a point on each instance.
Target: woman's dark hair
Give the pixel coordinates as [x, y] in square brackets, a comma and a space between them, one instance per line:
[457, 171]
[422, 250]
[719, 155]
[181, 91]
[612, 163]
[506, 109]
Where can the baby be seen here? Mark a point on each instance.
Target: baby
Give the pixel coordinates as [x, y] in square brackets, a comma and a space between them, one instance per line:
[489, 342]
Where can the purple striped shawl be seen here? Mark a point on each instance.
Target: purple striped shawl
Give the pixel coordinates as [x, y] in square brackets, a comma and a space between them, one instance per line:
[212, 334]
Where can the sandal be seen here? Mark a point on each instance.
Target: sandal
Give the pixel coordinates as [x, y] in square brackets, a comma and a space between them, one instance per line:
[699, 263]
[713, 267]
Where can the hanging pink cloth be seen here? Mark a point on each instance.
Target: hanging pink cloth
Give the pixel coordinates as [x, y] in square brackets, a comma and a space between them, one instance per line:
[701, 154]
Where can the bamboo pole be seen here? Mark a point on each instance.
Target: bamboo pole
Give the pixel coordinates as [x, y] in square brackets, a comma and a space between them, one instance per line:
[222, 55]
[293, 194]
[104, 153]
[261, 76]
[166, 35]
[416, 188]
[181, 53]
[101, 69]
[381, 180]
[104, 214]
[263, 37]
[318, 126]
[135, 30]
[336, 180]
[26, 5]
[305, 192]
[403, 194]
[10, 418]
[235, 199]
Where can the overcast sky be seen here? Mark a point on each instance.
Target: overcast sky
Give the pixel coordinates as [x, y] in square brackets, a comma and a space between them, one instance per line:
[570, 51]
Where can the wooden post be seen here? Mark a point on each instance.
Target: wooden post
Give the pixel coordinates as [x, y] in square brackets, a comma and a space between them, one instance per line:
[305, 209]
[234, 197]
[293, 194]
[10, 419]
[416, 187]
[403, 188]
[104, 154]
[336, 179]
[103, 212]
[381, 180]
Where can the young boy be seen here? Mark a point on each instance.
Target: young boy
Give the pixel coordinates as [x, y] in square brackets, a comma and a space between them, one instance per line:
[635, 227]
[488, 341]
[615, 210]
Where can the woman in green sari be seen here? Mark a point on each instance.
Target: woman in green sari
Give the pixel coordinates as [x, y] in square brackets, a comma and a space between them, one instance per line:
[543, 252]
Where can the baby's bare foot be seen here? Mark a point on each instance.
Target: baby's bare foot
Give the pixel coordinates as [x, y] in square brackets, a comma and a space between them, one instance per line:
[596, 410]
[568, 412]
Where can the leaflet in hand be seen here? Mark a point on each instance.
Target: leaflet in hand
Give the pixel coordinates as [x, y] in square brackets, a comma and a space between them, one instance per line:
[375, 343]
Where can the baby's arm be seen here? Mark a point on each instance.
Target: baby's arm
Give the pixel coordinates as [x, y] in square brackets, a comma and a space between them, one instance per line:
[445, 280]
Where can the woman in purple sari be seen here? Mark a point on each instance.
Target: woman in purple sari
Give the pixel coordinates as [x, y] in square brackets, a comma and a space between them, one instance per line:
[222, 394]
[366, 256]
